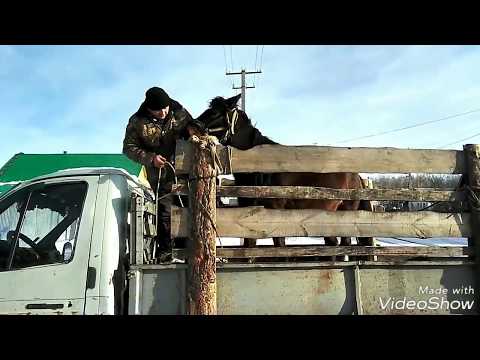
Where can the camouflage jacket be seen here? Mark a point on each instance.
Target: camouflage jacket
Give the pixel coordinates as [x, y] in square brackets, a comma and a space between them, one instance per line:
[146, 136]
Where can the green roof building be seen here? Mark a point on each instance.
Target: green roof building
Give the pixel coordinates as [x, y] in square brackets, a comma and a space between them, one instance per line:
[23, 167]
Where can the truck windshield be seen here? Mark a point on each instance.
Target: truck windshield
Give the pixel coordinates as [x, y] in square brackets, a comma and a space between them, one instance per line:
[35, 224]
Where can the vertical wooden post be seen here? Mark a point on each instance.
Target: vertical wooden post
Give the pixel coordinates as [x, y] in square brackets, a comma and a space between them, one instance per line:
[472, 157]
[374, 208]
[202, 286]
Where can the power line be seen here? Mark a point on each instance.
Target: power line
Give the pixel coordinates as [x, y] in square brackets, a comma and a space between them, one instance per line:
[406, 127]
[458, 141]
[255, 67]
[225, 57]
[231, 61]
[226, 62]
[261, 59]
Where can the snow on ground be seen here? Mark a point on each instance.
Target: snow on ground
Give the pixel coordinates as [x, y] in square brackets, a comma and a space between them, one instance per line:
[379, 241]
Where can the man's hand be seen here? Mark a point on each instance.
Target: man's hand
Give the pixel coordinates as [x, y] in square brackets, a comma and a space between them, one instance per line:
[192, 130]
[159, 161]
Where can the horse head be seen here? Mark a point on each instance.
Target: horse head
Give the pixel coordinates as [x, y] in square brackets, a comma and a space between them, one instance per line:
[220, 119]
[229, 124]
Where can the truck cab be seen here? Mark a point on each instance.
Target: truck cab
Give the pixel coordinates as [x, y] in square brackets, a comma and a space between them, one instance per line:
[64, 242]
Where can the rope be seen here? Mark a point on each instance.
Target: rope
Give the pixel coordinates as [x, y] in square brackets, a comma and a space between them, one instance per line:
[474, 200]
[216, 160]
[457, 188]
[429, 206]
[208, 215]
[229, 155]
[157, 199]
[175, 181]
[231, 125]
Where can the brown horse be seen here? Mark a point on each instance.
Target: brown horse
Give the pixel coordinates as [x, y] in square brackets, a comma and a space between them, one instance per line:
[232, 127]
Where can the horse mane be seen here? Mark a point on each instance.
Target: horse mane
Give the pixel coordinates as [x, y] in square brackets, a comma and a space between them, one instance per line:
[217, 102]
[257, 138]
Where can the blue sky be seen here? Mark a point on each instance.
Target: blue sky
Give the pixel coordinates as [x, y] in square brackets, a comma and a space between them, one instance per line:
[79, 98]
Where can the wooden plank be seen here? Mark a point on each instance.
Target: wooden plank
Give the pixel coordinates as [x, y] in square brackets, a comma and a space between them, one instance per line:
[258, 222]
[324, 159]
[301, 251]
[346, 250]
[183, 157]
[321, 193]
[401, 261]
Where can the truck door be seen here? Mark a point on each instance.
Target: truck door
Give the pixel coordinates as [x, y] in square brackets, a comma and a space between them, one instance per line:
[45, 235]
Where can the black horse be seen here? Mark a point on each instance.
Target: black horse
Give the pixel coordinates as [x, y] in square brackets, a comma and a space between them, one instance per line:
[233, 127]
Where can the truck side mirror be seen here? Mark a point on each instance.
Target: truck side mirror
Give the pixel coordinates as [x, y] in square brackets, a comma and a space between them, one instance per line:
[67, 252]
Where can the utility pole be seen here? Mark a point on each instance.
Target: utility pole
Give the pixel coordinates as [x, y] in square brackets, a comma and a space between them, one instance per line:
[243, 87]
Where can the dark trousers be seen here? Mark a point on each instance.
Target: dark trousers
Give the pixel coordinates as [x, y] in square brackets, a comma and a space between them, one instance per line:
[165, 243]
[164, 239]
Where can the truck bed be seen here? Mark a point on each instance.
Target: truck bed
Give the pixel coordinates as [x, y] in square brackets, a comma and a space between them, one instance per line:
[346, 288]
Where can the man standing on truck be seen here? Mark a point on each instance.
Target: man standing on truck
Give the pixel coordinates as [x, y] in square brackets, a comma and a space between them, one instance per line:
[150, 139]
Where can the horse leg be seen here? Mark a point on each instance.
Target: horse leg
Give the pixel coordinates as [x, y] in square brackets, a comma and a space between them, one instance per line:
[366, 241]
[345, 241]
[330, 241]
[250, 243]
[279, 241]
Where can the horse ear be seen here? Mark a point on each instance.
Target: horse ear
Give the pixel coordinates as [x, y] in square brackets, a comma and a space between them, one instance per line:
[233, 101]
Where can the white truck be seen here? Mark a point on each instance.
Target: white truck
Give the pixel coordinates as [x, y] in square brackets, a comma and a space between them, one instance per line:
[78, 242]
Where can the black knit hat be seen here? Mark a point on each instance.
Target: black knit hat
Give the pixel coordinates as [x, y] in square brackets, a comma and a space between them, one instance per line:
[156, 99]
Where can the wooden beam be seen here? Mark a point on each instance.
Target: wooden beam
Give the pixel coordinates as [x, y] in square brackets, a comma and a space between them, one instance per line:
[258, 222]
[321, 193]
[323, 159]
[302, 251]
[401, 261]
